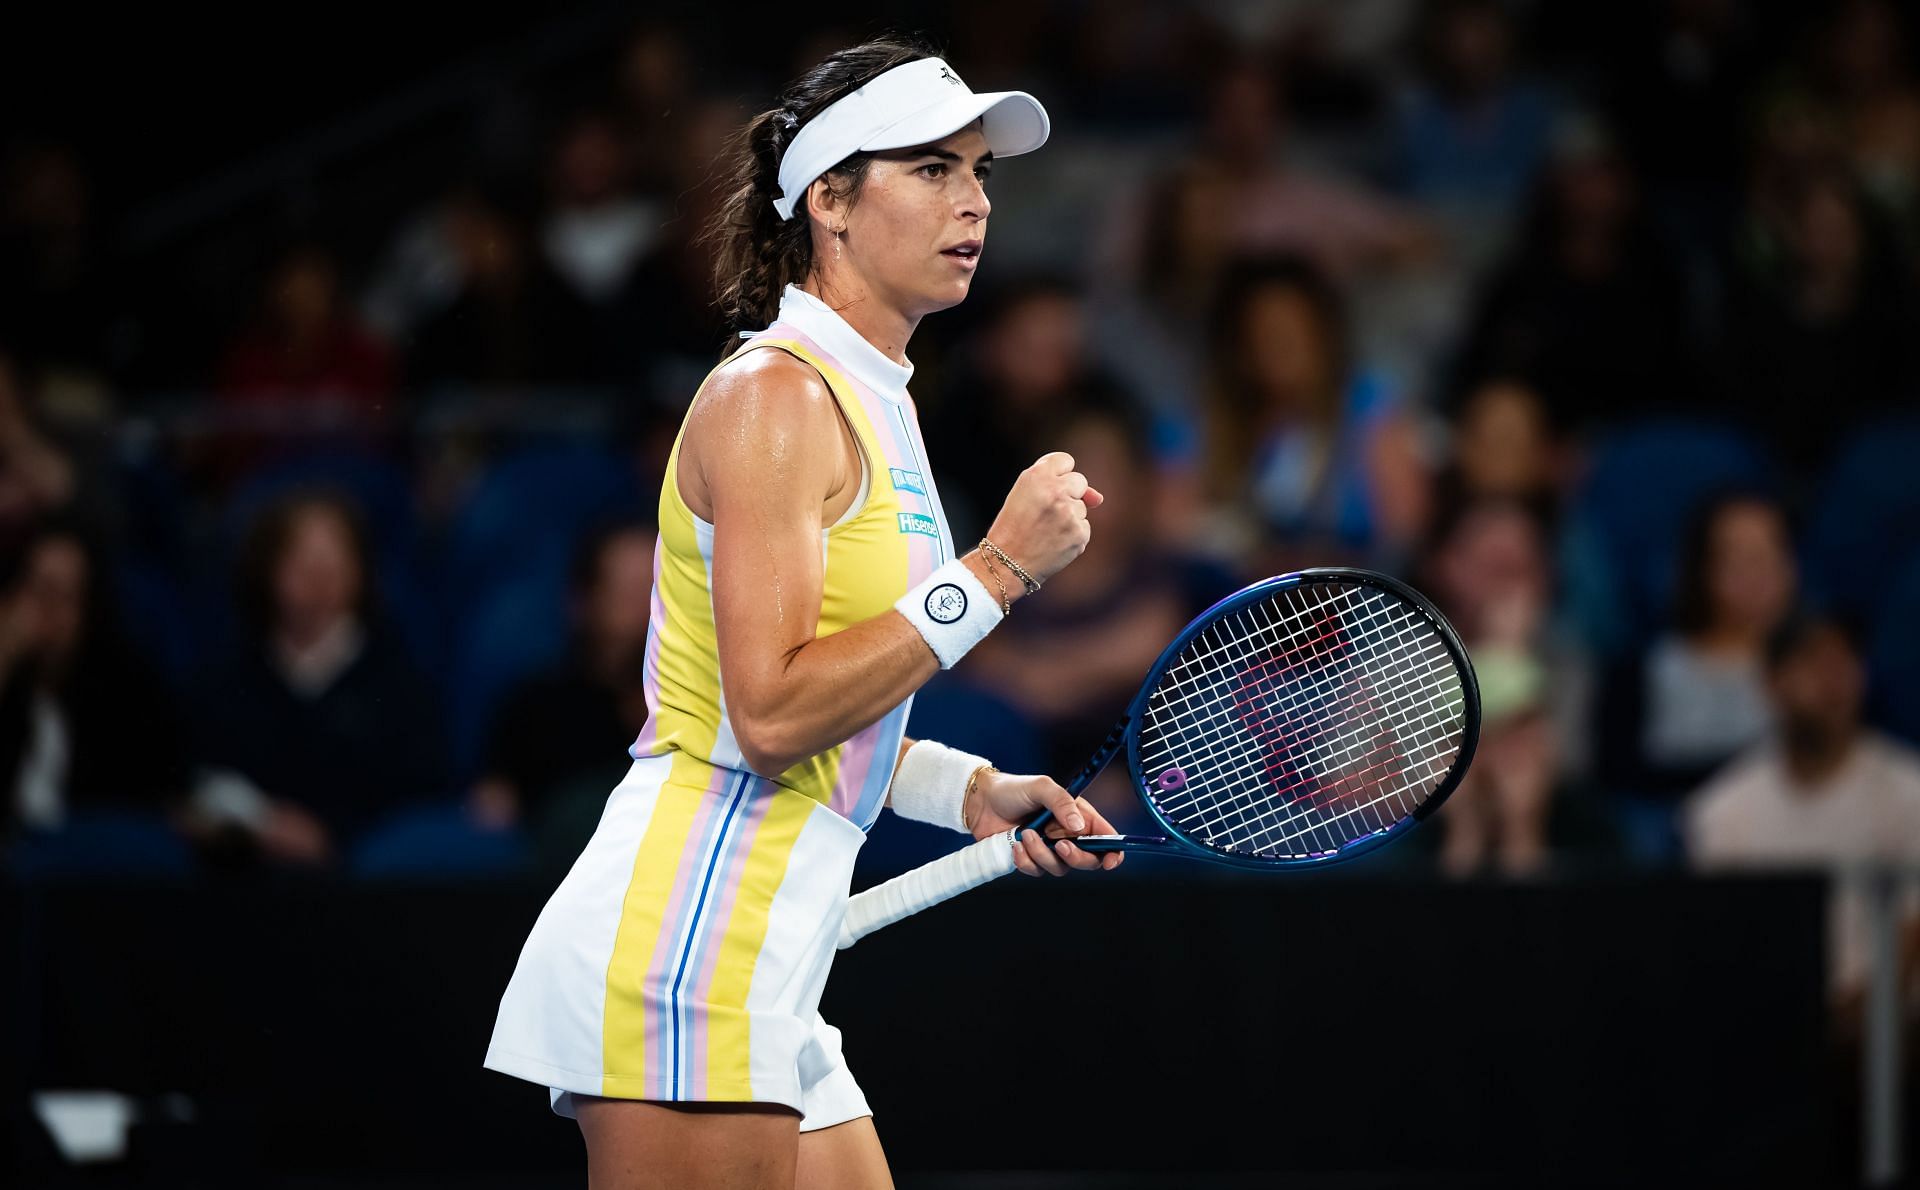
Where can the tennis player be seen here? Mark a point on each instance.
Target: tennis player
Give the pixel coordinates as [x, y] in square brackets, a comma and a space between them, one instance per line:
[805, 585]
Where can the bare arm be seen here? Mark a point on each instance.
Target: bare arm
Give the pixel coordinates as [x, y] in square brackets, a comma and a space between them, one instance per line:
[764, 450]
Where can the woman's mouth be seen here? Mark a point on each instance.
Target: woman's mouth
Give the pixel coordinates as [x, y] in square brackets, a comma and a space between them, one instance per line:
[967, 255]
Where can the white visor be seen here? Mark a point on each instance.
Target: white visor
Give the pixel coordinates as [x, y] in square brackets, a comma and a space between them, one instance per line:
[909, 105]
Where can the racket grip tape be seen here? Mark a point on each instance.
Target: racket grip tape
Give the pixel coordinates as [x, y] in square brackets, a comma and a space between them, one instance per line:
[926, 886]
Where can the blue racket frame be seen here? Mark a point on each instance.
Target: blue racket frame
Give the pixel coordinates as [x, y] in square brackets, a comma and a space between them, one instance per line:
[1126, 732]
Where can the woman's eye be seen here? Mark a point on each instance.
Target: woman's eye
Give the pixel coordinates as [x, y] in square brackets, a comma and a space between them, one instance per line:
[935, 169]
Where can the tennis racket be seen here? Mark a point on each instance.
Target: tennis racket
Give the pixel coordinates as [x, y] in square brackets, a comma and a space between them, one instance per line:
[1302, 720]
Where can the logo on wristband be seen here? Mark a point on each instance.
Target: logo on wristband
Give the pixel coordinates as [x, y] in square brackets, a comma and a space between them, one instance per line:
[946, 603]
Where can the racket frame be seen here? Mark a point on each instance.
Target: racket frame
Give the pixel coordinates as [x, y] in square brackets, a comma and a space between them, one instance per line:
[1126, 732]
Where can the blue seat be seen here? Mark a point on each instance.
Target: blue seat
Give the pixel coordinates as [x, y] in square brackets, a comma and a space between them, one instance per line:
[1646, 482]
[102, 843]
[530, 509]
[1893, 655]
[1866, 519]
[435, 841]
[505, 634]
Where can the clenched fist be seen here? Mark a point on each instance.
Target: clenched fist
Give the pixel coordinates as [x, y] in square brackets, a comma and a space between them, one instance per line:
[1043, 525]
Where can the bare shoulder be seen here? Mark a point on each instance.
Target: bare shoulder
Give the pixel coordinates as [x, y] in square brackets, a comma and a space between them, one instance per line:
[764, 396]
[766, 414]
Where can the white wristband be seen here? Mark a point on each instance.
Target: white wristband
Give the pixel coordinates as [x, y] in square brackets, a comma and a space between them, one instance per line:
[931, 784]
[952, 610]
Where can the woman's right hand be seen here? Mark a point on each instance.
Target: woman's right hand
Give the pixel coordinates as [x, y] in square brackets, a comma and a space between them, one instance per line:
[1043, 525]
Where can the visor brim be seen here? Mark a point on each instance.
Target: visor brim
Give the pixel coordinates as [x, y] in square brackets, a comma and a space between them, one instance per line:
[1012, 121]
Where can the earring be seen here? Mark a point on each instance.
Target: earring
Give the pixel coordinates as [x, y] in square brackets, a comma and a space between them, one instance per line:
[836, 245]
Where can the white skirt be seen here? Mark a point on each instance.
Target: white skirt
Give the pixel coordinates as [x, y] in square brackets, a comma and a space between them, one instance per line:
[683, 957]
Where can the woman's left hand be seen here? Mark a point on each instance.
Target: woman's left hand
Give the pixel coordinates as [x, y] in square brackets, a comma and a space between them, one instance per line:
[1007, 800]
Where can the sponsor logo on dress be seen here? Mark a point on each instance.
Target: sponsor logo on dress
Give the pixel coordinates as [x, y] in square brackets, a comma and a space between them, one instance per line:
[918, 522]
[907, 481]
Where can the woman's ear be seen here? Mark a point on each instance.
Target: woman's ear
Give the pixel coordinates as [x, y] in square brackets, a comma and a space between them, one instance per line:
[823, 204]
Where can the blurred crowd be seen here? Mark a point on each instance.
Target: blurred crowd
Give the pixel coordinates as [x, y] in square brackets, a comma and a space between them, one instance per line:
[1596, 322]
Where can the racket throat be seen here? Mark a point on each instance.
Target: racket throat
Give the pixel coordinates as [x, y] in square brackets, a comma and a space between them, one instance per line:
[1099, 844]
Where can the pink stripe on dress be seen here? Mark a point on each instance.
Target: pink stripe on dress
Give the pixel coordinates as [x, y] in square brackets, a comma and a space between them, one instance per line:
[643, 744]
[656, 985]
[856, 761]
[706, 959]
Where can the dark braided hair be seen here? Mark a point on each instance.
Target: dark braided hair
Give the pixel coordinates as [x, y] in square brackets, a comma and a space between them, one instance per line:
[756, 254]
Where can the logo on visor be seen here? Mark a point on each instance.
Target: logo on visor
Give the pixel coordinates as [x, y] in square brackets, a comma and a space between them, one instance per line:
[951, 77]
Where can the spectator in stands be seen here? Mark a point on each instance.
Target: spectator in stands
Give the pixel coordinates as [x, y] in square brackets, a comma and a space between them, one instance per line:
[85, 723]
[1504, 447]
[1521, 805]
[1073, 663]
[57, 286]
[567, 730]
[663, 331]
[1862, 78]
[317, 723]
[1307, 455]
[1470, 134]
[304, 346]
[596, 227]
[513, 321]
[36, 476]
[1165, 244]
[1823, 791]
[1587, 306]
[1821, 312]
[1017, 379]
[1698, 695]
[652, 90]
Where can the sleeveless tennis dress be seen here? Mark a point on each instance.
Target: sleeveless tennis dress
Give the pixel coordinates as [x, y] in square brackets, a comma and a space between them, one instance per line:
[683, 956]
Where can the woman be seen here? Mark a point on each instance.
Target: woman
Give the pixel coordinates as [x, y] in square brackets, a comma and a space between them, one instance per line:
[1304, 447]
[317, 724]
[1698, 694]
[805, 586]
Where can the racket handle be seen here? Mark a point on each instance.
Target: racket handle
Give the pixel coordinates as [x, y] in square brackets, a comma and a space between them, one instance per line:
[926, 886]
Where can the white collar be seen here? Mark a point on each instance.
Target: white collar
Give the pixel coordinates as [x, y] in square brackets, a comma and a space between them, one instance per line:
[849, 348]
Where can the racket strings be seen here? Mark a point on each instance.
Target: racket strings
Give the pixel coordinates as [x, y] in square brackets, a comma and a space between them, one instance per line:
[1325, 714]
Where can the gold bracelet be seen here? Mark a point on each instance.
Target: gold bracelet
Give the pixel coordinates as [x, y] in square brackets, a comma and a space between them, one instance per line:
[972, 780]
[1031, 583]
[1006, 605]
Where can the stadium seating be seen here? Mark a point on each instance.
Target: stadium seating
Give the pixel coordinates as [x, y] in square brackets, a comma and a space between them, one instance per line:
[1631, 513]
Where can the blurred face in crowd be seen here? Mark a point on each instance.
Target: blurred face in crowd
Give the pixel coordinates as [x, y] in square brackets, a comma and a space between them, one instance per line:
[1864, 46]
[913, 210]
[1099, 446]
[1037, 347]
[317, 579]
[486, 242]
[1494, 573]
[615, 609]
[1285, 354]
[590, 166]
[1472, 47]
[1818, 690]
[653, 71]
[304, 291]
[1243, 118]
[1503, 447]
[1827, 235]
[53, 596]
[1750, 571]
